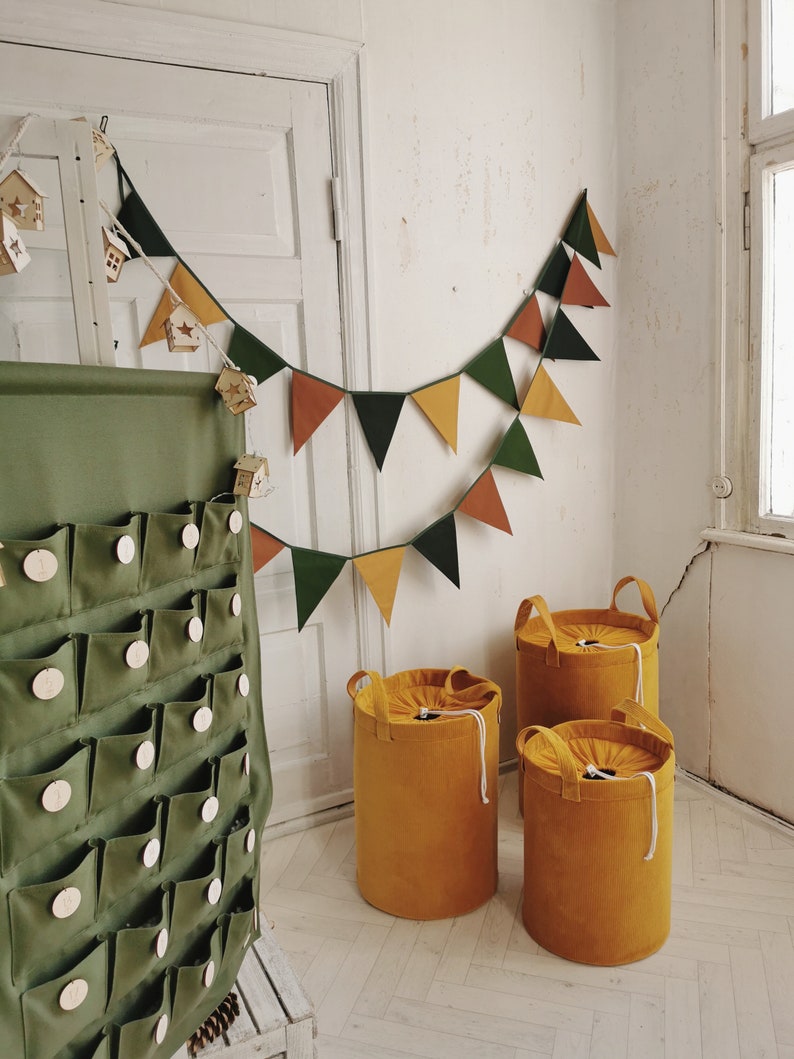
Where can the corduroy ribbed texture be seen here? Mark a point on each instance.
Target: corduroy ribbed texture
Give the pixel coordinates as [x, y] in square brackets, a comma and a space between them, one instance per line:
[425, 841]
[589, 893]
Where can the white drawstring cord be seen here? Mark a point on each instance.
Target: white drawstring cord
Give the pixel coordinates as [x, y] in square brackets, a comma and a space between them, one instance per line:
[591, 770]
[424, 714]
[619, 647]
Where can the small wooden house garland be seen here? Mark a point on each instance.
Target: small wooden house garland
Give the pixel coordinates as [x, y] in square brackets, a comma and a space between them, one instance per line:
[237, 390]
[103, 148]
[13, 252]
[116, 253]
[23, 200]
[181, 330]
[252, 472]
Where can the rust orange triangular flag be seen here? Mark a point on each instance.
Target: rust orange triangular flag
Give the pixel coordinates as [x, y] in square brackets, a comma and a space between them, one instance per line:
[579, 289]
[312, 401]
[193, 295]
[528, 328]
[544, 400]
[263, 547]
[603, 245]
[484, 503]
[381, 572]
[440, 404]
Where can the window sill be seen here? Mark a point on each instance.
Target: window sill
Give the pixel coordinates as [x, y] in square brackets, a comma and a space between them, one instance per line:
[759, 541]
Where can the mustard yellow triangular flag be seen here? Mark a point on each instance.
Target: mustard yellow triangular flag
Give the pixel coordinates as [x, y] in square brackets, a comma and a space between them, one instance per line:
[381, 572]
[603, 246]
[195, 298]
[439, 403]
[543, 399]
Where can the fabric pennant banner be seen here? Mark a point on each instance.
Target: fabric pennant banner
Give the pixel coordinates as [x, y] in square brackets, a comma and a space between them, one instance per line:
[312, 402]
[484, 503]
[381, 572]
[516, 452]
[439, 545]
[528, 326]
[263, 547]
[252, 356]
[492, 370]
[143, 228]
[555, 272]
[564, 342]
[378, 414]
[439, 403]
[315, 572]
[545, 401]
[195, 297]
[603, 245]
[579, 235]
[579, 288]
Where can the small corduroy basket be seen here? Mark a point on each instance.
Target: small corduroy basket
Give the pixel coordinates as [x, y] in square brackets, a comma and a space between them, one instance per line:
[425, 770]
[598, 835]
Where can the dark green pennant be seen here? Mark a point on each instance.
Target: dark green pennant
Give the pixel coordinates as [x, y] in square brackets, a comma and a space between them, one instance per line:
[136, 218]
[516, 452]
[555, 272]
[439, 545]
[492, 370]
[315, 572]
[252, 356]
[579, 233]
[564, 342]
[378, 413]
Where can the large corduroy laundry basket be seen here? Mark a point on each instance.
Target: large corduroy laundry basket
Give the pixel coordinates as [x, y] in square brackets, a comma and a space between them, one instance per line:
[426, 790]
[598, 835]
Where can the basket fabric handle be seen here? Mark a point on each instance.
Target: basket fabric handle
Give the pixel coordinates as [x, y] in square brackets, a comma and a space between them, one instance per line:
[540, 605]
[565, 759]
[646, 595]
[632, 711]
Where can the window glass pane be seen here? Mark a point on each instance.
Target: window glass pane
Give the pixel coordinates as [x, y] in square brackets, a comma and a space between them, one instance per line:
[782, 40]
[781, 389]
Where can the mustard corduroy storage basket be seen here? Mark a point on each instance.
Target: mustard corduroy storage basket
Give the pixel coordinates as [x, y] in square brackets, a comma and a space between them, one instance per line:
[598, 836]
[426, 790]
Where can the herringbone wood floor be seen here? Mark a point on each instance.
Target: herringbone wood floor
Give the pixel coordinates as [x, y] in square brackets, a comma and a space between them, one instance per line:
[722, 987]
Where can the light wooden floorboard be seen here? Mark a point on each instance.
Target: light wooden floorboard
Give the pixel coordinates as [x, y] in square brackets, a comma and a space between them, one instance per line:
[721, 987]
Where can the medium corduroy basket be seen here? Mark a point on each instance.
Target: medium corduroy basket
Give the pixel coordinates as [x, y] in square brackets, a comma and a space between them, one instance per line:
[426, 790]
[598, 835]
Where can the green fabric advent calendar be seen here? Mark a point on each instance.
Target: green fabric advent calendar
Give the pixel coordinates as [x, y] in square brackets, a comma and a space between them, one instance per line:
[134, 772]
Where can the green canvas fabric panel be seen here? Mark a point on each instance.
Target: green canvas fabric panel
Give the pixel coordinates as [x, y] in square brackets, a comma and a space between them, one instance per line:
[117, 858]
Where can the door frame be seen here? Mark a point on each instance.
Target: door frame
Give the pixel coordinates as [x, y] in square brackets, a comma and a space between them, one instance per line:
[148, 35]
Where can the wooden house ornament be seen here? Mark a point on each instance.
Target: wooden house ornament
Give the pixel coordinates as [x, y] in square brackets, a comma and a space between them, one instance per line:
[116, 253]
[181, 330]
[237, 390]
[103, 148]
[252, 472]
[23, 200]
[13, 252]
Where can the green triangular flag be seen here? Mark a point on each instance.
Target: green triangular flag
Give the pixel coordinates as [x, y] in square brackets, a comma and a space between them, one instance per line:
[252, 356]
[564, 342]
[315, 572]
[516, 452]
[378, 413]
[137, 220]
[579, 233]
[439, 545]
[492, 370]
[555, 272]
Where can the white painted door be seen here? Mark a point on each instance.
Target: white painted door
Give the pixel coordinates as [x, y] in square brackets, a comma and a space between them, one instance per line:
[236, 169]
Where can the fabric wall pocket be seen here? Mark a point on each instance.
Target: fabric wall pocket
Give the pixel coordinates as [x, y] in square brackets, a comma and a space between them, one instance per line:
[129, 860]
[46, 916]
[239, 925]
[115, 664]
[38, 696]
[233, 771]
[137, 950]
[191, 981]
[38, 809]
[185, 727]
[239, 849]
[169, 548]
[106, 563]
[221, 524]
[193, 900]
[123, 763]
[141, 1038]
[189, 816]
[56, 1012]
[37, 581]
[230, 690]
[176, 639]
[102, 1049]
[223, 618]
